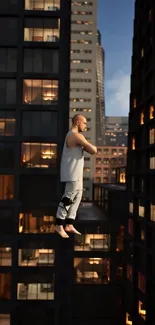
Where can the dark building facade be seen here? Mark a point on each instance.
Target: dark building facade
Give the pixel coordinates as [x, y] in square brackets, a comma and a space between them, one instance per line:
[140, 288]
[34, 100]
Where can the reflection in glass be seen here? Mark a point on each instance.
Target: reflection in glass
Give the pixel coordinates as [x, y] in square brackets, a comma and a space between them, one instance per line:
[35, 291]
[6, 187]
[28, 223]
[40, 92]
[51, 5]
[41, 35]
[5, 256]
[5, 286]
[36, 257]
[92, 242]
[39, 155]
[92, 270]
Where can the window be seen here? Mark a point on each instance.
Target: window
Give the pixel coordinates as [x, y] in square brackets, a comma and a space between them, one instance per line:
[80, 32]
[5, 286]
[35, 291]
[6, 155]
[130, 227]
[98, 170]
[88, 110]
[8, 4]
[81, 3]
[141, 310]
[80, 80]
[39, 124]
[152, 136]
[151, 112]
[142, 234]
[94, 270]
[51, 5]
[7, 123]
[8, 60]
[7, 91]
[81, 22]
[120, 240]
[36, 222]
[6, 187]
[141, 282]
[152, 212]
[92, 242]
[134, 103]
[82, 12]
[142, 118]
[5, 256]
[80, 100]
[131, 207]
[5, 319]
[128, 319]
[40, 92]
[6, 221]
[129, 272]
[142, 52]
[152, 162]
[10, 27]
[133, 143]
[41, 60]
[36, 257]
[41, 30]
[150, 15]
[80, 70]
[39, 155]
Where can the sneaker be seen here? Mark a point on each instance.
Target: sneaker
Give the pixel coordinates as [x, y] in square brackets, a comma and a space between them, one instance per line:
[60, 230]
[71, 228]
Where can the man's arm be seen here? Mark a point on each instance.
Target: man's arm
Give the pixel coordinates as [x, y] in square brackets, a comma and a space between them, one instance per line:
[87, 146]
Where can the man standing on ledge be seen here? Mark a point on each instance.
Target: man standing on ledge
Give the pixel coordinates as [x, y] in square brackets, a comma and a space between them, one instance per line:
[71, 172]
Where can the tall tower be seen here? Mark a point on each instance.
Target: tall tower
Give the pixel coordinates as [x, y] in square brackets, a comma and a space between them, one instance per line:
[83, 76]
[34, 115]
[100, 98]
[141, 170]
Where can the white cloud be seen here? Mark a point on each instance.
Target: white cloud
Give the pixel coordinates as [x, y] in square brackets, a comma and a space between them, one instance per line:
[117, 94]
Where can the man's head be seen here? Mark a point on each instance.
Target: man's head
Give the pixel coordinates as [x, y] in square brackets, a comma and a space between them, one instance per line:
[79, 122]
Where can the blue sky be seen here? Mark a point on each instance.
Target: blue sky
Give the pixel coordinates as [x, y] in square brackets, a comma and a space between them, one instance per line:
[115, 22]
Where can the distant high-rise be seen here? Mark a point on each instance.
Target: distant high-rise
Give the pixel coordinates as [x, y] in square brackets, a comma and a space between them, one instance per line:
[83, 76]
[116, 131]
[100, 98]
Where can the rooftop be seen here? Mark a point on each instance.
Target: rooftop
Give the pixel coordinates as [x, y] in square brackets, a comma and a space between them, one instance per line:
[88, 211]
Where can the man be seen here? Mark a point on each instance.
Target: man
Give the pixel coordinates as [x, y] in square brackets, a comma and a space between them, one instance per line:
[71, 172]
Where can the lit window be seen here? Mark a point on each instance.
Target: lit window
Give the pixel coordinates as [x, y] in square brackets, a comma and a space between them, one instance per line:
[91, 242]
[141, 310]
[34, 223]
[36, 257]
[134, 103]
[133, 143]
[141, 210]
[152, 136]
[152, 162]
[120, 240]
[35, 291]
[128, 319]
[142, 118]
[5, 257]
[5, 319]
[151, 112]
[6, 187]
[39, 155]
[51, 5]
[94, 270]
[142, 234]
[142, 53]
[131, 207]
[152, 212]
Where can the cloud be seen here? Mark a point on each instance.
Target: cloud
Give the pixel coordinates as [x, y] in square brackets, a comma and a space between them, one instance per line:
[117, 94]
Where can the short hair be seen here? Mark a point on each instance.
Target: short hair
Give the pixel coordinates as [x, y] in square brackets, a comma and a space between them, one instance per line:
[76, 117]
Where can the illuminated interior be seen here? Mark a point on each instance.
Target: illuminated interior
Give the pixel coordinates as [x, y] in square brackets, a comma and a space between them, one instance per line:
[52, 5]
[39, 155]
[35, 291]
[5, 256]
[91, 242]
[92, 270]
[5, 319]
[6, 187]
[5, 286]
[40, 92]
[141, 310]
[36, 257]
[28, 223]
[120, 240]
[128, 319]
[151, 112]
[133, 144]
[42, 35]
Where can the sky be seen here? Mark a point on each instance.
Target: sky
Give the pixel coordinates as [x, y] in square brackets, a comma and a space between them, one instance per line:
[115, 22]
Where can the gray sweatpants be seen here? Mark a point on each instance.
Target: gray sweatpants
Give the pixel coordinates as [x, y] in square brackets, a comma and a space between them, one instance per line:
[73, 191]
